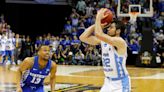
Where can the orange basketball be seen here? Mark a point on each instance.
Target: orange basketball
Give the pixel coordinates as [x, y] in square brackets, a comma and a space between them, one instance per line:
[109, 18]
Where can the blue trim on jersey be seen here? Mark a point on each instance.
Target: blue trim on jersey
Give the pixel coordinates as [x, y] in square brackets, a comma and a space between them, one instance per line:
[119, 66]
[125, 84]
[121, 61]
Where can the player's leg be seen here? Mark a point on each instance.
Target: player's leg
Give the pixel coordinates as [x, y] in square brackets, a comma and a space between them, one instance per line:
[126, 84]
[1, 56]
[121, 85]
[12, 56]
[6, 57]
[116, 85]
[106, 86]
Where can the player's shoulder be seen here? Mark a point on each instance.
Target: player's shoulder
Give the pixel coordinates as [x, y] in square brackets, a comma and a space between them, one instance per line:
[27, 63]
[120, 39]
[29, 60]
[53, 64]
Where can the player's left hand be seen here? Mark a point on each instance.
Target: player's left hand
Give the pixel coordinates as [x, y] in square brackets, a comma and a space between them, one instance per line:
[101, 14]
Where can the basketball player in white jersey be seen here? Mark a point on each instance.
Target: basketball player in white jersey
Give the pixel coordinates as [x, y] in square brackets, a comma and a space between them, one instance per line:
[2, 48]
[10, 48]
[114, 53]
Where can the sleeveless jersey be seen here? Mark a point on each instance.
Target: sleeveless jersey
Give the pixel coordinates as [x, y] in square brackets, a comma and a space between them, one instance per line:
[114, 65]
[2, 44]
[10, 44]
[35, 76]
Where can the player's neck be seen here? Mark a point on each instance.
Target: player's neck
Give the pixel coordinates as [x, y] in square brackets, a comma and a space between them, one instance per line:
[42, 63]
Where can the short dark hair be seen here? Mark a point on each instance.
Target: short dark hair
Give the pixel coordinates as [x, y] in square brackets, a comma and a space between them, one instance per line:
[41, 46]
[119, 25]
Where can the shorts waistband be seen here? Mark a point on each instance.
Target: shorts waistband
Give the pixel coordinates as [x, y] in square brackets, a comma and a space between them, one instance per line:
[115, 79]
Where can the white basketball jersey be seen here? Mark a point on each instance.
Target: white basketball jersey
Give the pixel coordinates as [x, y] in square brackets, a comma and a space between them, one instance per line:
[114, 64]
[10, 44]
[2, 44]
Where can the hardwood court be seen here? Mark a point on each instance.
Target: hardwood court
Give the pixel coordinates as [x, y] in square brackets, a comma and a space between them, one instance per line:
[143, 79]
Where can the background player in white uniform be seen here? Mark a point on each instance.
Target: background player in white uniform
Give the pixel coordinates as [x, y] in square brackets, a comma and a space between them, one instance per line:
[114, 53]
[2, 48]
[10, 48]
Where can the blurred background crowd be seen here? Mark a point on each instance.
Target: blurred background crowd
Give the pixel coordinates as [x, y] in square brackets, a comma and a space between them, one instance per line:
[66, 48]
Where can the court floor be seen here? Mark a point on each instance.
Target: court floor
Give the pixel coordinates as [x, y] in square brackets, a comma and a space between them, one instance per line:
[72, 78]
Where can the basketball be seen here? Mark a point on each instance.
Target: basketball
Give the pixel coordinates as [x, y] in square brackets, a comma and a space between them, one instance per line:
[109, 18]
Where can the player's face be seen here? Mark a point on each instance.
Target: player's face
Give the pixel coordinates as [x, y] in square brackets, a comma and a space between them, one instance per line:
[112, 30]
[44, 52]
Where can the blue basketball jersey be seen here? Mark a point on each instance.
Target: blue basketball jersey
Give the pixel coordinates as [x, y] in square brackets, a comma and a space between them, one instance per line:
[34, 77]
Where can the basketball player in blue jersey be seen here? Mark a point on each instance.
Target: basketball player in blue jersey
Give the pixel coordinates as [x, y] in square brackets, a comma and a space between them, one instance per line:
[34, 70]
[114, 53]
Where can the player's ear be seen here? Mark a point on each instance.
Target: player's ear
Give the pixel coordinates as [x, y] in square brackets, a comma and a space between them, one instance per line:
[118, 31]
[38, 52]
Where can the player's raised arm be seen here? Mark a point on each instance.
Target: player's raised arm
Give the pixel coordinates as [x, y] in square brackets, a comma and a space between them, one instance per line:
[25, 65]
[113, 35]
[88, 37]
[53, 76]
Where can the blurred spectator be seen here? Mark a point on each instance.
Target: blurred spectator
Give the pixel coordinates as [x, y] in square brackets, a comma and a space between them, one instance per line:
[74, 32]
[2, 20]
[159, 35]
[2, 47]
[23, 38]
[54, 44]
[134, 46]
[158, 23]
[89, 57]
[81, 6]
[75, 20]
[96, 57]
[67, 41]
[18, 46]
[81, 28]
[38, 42]
[89, 10]
[27, 49]
[75, 40]
[55, 57]
[61, 55]
[10, 46]
[46, 40]
[79, 57]
[68, 28]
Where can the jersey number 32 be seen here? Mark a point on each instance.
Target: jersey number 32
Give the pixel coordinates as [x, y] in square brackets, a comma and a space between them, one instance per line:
[106, 62]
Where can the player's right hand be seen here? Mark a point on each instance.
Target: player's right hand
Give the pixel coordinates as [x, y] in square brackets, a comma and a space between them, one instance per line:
[104, 25]
[19, 90]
